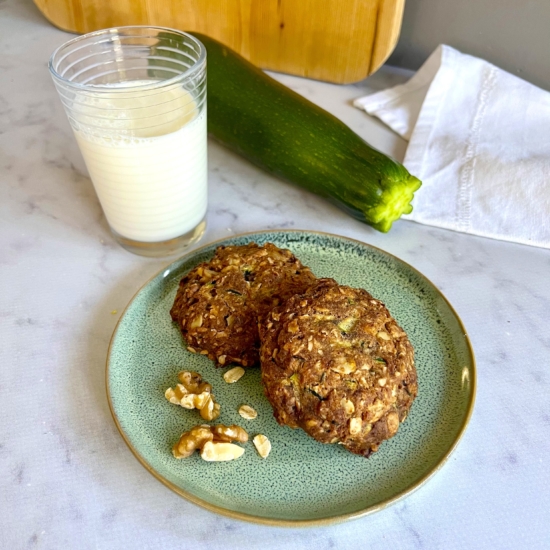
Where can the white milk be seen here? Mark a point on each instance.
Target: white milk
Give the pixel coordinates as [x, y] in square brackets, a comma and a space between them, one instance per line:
[151, 185]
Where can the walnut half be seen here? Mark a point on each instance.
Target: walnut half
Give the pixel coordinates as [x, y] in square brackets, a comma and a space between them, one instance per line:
[193, 393]
[214, 442]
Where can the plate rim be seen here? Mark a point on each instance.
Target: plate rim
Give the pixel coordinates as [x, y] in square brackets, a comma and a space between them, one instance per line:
[330, 520]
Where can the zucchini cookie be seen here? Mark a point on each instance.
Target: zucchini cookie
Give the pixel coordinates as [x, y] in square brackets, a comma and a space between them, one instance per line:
[336, 364]
[219, 303]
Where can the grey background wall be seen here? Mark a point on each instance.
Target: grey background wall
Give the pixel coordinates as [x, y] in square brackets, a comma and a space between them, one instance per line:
[512, 34]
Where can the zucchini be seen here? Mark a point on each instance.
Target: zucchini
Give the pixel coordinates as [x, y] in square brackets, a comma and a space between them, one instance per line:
[287, 135]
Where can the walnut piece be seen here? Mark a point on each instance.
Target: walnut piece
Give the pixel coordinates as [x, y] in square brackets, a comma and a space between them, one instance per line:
[234, 374]
[199, 436]
[247, 412]
[227, 434]
[194, 439]
[262, 444]
[193, 393]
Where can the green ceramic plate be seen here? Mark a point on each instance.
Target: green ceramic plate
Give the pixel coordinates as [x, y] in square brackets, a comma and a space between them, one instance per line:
[302, 482]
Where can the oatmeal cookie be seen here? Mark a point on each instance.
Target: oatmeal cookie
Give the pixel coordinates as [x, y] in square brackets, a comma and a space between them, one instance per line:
[219, 303]
[335, 363]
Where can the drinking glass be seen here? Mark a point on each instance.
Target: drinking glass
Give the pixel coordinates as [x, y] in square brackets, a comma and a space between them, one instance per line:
[136, 100]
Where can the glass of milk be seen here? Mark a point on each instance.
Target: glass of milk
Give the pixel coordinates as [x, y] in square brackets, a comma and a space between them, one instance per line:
[136, 100]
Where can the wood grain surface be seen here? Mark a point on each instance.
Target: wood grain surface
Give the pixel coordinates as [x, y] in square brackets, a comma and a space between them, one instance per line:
[338, 41]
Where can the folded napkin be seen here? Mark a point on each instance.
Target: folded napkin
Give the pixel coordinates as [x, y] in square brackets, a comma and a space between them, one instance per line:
[479, 139]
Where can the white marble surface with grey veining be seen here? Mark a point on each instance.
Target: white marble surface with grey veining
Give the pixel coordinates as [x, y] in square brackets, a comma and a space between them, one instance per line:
[67, 480]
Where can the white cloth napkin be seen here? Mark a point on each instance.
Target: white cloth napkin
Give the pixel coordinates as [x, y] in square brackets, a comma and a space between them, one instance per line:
[479, 139]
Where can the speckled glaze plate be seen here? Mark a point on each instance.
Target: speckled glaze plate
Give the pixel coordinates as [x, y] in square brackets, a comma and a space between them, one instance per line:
[302, 482]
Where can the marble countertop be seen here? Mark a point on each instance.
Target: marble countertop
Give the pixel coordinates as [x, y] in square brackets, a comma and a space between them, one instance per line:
[67, 479]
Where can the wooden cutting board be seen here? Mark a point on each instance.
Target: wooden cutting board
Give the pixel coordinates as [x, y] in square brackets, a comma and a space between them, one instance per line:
[338, 41]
